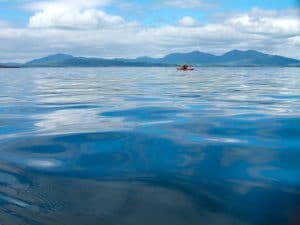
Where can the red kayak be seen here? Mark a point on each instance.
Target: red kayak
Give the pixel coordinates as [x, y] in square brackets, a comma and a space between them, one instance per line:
[185, 69]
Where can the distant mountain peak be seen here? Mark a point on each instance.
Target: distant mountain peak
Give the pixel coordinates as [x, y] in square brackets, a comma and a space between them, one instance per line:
[233, 52]
[50, 59]
[61, 54]
[249, 51]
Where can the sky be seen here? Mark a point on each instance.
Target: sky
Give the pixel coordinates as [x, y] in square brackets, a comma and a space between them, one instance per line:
[128, 29]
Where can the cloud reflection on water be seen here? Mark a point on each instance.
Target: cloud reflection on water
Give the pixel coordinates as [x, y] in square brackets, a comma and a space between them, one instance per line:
[118, 145]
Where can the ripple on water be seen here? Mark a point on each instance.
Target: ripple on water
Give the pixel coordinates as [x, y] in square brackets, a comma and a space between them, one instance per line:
[149, 146]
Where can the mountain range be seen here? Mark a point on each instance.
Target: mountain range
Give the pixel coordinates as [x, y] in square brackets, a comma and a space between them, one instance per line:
[195, 58]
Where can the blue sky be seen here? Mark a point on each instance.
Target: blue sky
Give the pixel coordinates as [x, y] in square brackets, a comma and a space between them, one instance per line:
[120, 28]
[148, 11]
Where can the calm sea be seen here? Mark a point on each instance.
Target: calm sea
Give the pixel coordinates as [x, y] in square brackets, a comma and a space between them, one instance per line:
[149, 146]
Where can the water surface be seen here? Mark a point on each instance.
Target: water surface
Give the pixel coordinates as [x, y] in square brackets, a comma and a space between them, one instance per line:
[150, 146]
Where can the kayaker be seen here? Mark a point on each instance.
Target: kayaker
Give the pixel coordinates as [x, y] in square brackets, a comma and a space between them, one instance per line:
[185, 67]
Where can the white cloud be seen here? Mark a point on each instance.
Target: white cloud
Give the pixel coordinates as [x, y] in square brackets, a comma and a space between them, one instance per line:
[73, 18]
[266, 22]
[187, 21]
[295, 40]
[275, 32]
[75, 14]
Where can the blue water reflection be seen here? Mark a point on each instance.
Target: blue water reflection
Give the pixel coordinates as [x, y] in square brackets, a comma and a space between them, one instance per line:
[149, 146]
